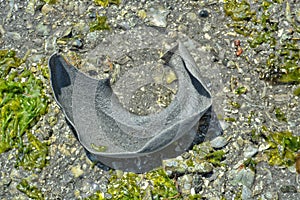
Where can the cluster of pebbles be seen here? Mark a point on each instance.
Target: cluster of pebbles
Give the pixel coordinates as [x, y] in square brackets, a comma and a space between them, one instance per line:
[45, 28]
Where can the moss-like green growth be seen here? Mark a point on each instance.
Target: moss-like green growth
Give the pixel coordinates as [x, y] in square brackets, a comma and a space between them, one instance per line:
[152, 185]
[99, 24]
[105, 3]
[283, 147]
[297, 91]
[22, 102]
[230, 119]
[256, 22]
[250, 117]
[30, 190]
[195, 197]
[207, 153]
[215, 157]
[240, 90]
[238, 11]
[50, 1]
[33, 155]
[99, 148]
[235, 104]
[280, 115]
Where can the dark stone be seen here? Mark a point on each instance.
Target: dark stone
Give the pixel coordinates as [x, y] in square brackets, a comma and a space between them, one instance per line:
[203, 13]
[197, 183]
[92, 73]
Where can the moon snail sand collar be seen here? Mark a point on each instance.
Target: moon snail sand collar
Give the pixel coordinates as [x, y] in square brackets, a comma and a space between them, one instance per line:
[121, 139]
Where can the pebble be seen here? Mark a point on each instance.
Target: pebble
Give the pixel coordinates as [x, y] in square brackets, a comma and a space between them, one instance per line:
[258, 189]
[46, 9]
[158, 17]
[77, 43]
[191, 16]
[170, 77]
[203, 13]
[197, 183]
[77, 171]
[92, 15]
[206, 27]
[142, 14]
[246, 193]
[244, 177]
[218, 142]
[186, 183]
[250, 151]
[182, 28]
[203, 167]
[207, 36]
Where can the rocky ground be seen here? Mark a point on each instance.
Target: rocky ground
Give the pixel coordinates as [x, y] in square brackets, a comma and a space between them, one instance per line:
[251, 104]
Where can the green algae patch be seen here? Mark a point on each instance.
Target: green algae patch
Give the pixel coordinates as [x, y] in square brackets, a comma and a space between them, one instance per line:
[238, 11]
[99, 24]
[215, 157]
[240, 90]
[152, 185]
[283, 148]
[258, 22]
[280, 115]
[22, 101]
[105, 3]
[50, 1]
[98, 148]
[34, 154]
[205, 152]
[30, 190]
[297, 91]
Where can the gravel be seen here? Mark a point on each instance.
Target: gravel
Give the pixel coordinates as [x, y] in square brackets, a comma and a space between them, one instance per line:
[204, 27]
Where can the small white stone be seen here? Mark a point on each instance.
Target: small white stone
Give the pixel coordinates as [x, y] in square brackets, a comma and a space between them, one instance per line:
[77, 171]
[218, 142]
[207, 36]
[250, 151]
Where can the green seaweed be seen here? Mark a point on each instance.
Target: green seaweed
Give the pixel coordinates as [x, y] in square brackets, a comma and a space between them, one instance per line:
[255, 22]
[130, 186]
[280, 115]
[297, 91]
[238, 11]
[105, 3]
[230, 119]
[30, 190]
[235, 104]
[98, 148]
[240, 90]
[34, 154]
[50, 1]
[99, 24]
[215, 157]
[283, 147]
[194, 197]
[22, 102]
